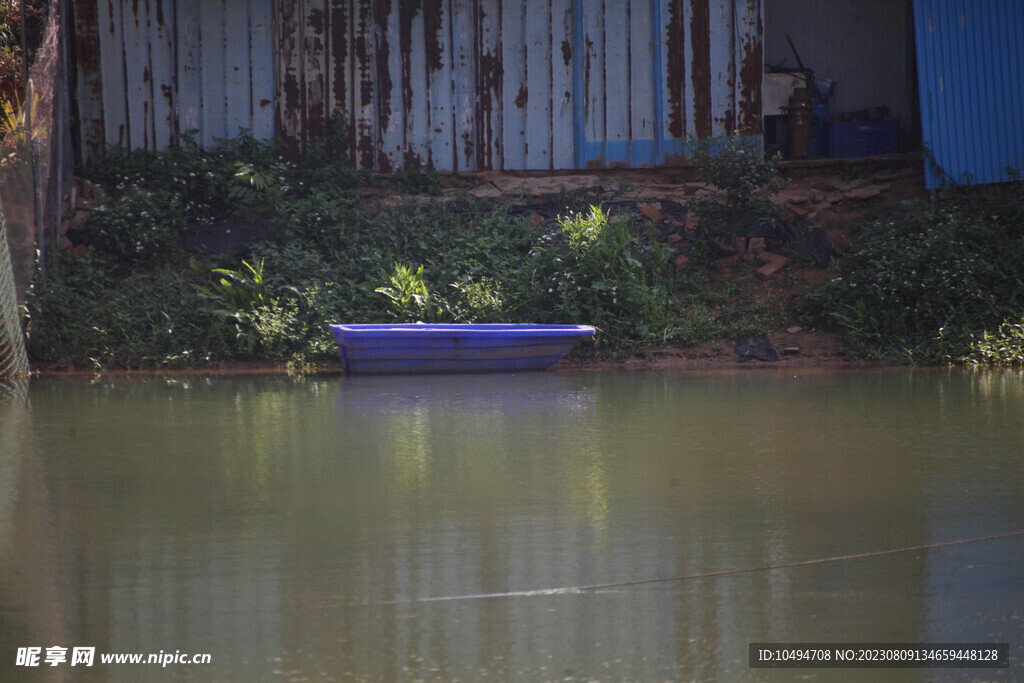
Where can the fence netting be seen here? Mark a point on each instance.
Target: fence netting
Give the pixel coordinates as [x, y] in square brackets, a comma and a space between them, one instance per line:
[36, 165]
[13, 360]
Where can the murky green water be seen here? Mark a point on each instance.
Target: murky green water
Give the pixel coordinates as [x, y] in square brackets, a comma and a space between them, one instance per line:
[358, 528]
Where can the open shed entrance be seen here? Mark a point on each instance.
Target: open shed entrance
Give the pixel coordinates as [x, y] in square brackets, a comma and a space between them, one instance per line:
[860, 55]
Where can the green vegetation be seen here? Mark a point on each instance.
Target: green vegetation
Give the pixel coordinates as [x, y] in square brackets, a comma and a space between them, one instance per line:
[318, 255]
[923, 287]
[748, 182]
[936, 287]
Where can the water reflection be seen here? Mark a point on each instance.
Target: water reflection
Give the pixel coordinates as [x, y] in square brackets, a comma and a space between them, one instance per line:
[301, 527]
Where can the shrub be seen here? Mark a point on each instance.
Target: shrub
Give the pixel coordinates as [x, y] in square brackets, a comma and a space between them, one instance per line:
[922, 286]
[84, 315]
[1005, 346]
[747, 183]
[139, 226]
[593, 271]
[233, 176]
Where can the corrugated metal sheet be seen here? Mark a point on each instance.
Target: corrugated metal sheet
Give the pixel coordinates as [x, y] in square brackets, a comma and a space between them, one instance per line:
[517, 84]
[452, 84]
[970, 58]
[149, 70]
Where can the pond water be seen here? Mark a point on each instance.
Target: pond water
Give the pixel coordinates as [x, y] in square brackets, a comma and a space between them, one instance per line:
[508, 527]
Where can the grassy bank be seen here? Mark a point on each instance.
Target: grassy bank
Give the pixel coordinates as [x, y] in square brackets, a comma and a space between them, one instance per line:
[935, 287]
[314, 252]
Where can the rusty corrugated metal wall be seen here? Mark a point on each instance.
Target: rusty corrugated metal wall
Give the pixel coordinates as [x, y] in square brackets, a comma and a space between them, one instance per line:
[453, 84]
[148, 71]
[520, 84]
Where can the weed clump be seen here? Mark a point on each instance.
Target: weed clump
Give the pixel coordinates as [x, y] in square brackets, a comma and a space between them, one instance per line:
[934, 287]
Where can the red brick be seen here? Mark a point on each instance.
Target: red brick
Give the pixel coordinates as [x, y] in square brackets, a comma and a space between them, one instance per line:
[774, 265]
[651, 212]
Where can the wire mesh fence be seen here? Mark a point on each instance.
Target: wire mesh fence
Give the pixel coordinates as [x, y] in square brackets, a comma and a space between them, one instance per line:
[36, 166]
[13, 360]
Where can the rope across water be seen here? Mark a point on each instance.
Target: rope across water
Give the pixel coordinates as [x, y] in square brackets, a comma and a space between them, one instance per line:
[704, 575]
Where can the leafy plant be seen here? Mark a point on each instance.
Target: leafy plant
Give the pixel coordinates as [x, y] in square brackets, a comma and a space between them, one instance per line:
[746, 182]
[255, 186]
[1005, 346]
[408, 297]
[593, 271]
[478, 301]
[234, 298]
[18, 129]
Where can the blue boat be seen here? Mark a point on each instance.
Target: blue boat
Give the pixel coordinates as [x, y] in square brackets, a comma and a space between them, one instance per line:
[453, 347]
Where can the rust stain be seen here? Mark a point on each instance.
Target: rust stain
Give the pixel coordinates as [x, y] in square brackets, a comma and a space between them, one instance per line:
[365, 130]
[314, 76]
[751, 73]
[566, 53]
[412, 161]
[675, 47]
[587, 55]
[523, 97]
[87, 54]
[490, 88]
[383, 85]
[340, 66]
[315, 20]
[339, 23]
[289, 113]
[433, 26]
[407, 11]
[674, 159]
[489, 93]
[365, 143]
[96, 140]
[700, 68]
[467, 143]
[383, 162]
[361, 48]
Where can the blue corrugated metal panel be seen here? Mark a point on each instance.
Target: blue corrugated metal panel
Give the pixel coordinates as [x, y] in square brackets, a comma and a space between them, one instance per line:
[452, 84]
[970, 58]
[150, 70]
[658, 71]
[525, 84]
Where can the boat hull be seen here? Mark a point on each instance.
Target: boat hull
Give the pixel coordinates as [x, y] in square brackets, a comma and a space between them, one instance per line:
[420, 348]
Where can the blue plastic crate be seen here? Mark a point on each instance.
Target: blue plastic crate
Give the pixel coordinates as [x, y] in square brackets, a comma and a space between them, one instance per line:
[863, 138]
[819, 138]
